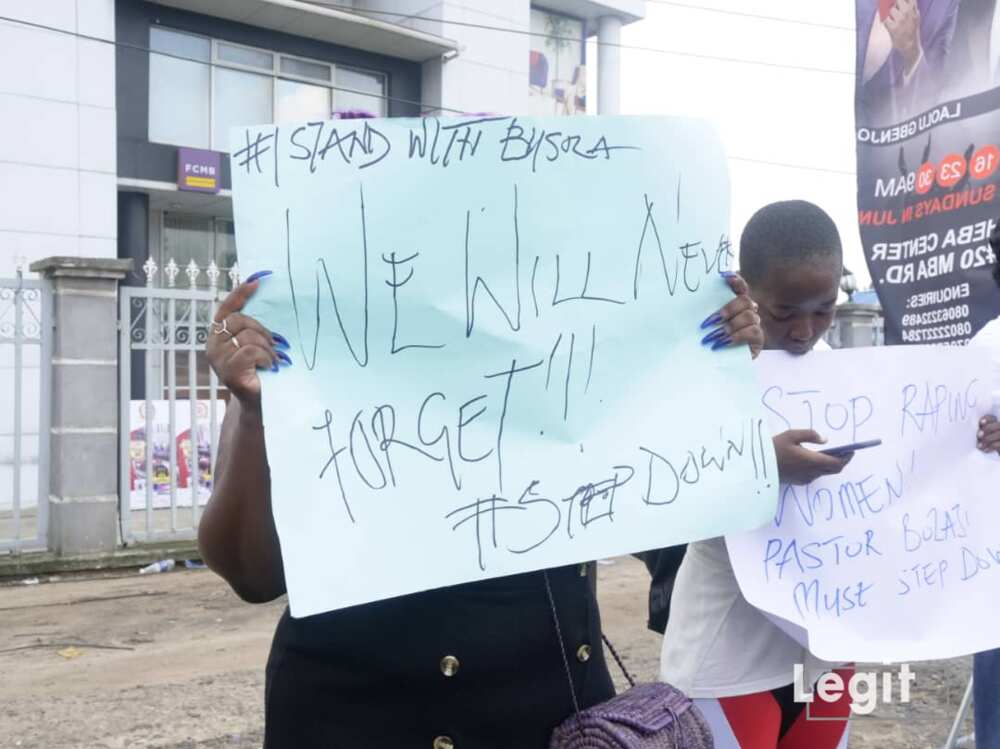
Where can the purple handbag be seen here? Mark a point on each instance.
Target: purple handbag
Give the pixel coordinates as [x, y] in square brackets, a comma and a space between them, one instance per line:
[646, 716]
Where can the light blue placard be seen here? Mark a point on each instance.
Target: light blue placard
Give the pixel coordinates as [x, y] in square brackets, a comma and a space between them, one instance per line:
[417, 263]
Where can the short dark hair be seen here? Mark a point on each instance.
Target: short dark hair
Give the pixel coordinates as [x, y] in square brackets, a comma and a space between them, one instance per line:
[995, 246]
[786, 232]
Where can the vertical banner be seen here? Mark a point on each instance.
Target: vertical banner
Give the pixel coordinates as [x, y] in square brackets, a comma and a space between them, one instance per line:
[928, 134]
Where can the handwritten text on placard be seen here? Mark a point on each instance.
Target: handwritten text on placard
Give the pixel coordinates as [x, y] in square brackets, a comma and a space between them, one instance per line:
[892, 558]
[496, 335]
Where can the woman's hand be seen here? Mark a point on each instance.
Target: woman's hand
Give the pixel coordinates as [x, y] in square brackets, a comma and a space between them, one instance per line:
[800, 465]
[239, 345]
[737, 323]
[988, 436]
[237, 536]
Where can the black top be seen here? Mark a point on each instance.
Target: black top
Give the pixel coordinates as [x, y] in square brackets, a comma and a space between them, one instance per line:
[475, 666]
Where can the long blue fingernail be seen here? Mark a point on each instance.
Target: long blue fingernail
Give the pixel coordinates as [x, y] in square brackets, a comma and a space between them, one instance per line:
[280, 340]
[274, 367]
[722, 343]
[258, 275]
[714, 336]
[727, 274]
[284, 357]
[711, 321]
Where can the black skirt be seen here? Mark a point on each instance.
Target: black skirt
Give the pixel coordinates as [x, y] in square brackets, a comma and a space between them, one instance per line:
[475, 666]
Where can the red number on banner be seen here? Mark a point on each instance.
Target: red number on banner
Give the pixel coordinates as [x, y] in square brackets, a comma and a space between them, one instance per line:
[952, 170]
[925, 178]
[985, 162]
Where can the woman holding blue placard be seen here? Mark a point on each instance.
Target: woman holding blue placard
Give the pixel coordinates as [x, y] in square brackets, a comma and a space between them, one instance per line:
[476, 666]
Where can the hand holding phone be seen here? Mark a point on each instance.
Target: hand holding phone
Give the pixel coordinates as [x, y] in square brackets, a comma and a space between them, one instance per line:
[844, 450]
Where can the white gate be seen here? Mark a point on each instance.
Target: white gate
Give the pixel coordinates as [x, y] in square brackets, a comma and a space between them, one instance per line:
[171, 405]
[25, 397]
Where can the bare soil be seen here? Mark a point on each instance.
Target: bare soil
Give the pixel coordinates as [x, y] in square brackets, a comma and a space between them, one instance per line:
[177, 661]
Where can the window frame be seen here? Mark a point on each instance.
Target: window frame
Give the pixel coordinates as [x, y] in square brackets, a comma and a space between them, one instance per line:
[170, 56]
[366, 71]
[275, 73]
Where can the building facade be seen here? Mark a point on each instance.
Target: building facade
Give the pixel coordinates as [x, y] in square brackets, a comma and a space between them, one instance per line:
[113, 147]
[99, 95]
[58, 165]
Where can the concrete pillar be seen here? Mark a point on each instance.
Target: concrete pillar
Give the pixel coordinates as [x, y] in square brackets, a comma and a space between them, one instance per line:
[83, 460]
[609, 65]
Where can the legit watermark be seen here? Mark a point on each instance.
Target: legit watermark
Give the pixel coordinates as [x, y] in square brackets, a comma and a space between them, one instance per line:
[862, 686]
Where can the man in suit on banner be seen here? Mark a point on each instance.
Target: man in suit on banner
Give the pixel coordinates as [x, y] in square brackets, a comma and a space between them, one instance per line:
[903, 48]
[975, 55]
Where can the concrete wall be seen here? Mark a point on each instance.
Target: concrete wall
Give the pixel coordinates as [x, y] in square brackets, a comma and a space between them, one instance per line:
[490, 74]
[57, 131]
[57, 170]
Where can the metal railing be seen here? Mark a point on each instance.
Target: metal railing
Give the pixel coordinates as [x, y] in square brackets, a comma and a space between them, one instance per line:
[171, 402]
[25, 387]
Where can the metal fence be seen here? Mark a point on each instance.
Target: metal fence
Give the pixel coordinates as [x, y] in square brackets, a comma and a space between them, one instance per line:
[171, 404]
[25, 387]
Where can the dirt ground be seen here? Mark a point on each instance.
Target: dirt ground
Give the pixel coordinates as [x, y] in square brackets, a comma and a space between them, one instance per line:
[176, 661]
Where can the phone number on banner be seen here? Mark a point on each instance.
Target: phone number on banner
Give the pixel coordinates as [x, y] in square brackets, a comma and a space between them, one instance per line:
[948, 314]
[939, 333]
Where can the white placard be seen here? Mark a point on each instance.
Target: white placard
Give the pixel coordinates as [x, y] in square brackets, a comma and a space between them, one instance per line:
[898, 557]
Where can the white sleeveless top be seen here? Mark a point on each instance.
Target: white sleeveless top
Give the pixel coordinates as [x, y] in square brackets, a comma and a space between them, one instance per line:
[989, 337]
[716, 643]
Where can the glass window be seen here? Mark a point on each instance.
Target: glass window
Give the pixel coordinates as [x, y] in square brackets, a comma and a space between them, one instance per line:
[240, 99]
[557, 76]
[253, 58]
[180, 44]
[305, 69]
[366, 91]
[188, 237]
[179, 88]
[225, 245]
[302, 102]
[201, 88]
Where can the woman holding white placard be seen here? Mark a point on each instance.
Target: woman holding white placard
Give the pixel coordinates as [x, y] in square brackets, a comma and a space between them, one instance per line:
[735, 662]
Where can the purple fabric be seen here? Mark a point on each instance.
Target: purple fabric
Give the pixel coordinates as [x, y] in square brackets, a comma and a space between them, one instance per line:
[361, 114]
[353, 114]
[647, 716]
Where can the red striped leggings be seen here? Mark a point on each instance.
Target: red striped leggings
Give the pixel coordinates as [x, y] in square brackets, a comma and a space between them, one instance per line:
[774, 720]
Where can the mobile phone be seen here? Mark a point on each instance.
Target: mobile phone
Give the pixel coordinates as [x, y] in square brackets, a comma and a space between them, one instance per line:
[840, 452]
